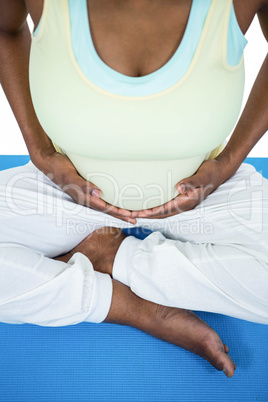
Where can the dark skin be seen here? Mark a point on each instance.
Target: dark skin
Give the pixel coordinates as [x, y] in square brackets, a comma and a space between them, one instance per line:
[115, 38]
[117, 27]
[180, 327]
[158, 28]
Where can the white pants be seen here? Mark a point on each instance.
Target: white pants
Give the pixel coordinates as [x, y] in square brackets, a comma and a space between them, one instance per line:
[213, 258]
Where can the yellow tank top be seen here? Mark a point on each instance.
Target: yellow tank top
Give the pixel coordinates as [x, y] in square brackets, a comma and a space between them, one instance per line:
[135, 148]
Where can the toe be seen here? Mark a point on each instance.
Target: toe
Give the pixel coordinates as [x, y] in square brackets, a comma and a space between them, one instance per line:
[226, 372]
[226, 349]
[229, 367]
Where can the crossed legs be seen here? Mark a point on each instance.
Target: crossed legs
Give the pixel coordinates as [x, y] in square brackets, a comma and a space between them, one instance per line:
[177, 326]
[40, 222]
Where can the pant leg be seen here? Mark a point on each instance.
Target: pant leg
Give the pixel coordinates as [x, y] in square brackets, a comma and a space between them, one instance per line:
[34, 288]
[38, 290]
[36, 213]
[235, 213]
[223, 270]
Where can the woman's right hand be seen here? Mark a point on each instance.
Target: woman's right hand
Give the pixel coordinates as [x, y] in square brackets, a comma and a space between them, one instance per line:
[62, 172]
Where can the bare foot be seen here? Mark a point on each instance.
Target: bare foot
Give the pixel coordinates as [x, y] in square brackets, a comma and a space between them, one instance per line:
[185, 329]
[180, 327]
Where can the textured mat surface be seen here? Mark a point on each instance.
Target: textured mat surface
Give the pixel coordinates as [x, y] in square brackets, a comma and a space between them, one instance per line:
[105, 362]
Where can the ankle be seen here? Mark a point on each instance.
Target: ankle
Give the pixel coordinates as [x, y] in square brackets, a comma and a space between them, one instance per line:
[123, 258]
[129, 309]
[64, 257]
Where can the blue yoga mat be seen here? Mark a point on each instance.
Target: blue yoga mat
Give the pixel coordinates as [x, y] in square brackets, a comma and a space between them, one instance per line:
[105, 362]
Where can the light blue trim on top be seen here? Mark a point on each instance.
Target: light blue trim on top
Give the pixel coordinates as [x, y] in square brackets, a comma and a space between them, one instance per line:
[180, 52]
[166, 76]
[113, 81]
[236, 40]
[36, 30]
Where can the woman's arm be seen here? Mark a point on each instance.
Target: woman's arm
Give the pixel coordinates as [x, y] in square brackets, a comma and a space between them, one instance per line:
[252, 125]
[15, 42]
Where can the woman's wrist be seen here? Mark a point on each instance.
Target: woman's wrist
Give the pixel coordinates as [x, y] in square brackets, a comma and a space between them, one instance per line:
[228, 164]
[40, 156]
[39, 145]
[42, 153]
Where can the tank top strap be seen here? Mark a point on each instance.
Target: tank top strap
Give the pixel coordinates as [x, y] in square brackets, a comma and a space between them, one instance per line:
[53, 22]
[215, 35]
[55, 26]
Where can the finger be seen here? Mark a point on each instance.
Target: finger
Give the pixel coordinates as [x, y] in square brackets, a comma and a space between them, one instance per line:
[79, 189]
[91, 189]
[112, 210]
[162, 216]
[188, 184]
[198, 181]
[99, 202]
[157, 211]
[95, 201]
[182, 203]
[153, 212]
[86, 193]
[95, 192]
[176, 205]
[83, 198]
[126, 219]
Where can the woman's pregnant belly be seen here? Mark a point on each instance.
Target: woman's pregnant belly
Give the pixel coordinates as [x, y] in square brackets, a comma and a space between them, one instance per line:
[136, 185]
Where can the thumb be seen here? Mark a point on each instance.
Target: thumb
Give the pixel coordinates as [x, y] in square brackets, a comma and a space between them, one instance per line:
[88, 187]
[187, 184]
[95, 192]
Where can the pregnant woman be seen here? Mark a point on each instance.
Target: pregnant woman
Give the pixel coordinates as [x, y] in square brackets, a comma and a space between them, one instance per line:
[125, 107]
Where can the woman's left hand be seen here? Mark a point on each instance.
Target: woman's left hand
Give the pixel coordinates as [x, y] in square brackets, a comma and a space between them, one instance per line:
[194, 189]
